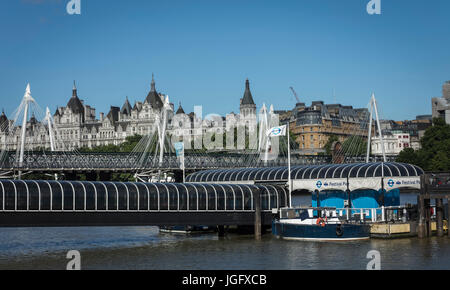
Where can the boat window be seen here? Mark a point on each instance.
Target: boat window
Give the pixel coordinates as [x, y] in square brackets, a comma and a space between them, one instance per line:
[303, 215]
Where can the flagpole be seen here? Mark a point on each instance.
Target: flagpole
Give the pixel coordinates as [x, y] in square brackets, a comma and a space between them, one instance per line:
[184, 170]
[289, 166]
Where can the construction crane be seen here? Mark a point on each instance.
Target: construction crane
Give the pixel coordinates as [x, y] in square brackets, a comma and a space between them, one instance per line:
[295, 94]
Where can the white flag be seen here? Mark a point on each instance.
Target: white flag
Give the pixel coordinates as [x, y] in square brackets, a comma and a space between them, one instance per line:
[277, 131]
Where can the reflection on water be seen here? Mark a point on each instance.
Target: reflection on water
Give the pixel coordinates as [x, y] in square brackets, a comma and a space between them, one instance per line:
[146, 248]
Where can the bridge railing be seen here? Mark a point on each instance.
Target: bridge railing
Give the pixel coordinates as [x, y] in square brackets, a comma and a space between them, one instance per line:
[65, 160]
[56, 160]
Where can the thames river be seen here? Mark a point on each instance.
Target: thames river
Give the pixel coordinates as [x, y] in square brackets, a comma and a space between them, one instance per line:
[146, 248]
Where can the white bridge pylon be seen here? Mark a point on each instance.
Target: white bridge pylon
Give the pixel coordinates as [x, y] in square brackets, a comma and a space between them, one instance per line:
[158, 138]
[25, 104]
[28, 115]
[373, 107]
[267, 120]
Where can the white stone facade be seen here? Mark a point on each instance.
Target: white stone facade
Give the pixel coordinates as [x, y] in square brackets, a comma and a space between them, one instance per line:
[393, 144]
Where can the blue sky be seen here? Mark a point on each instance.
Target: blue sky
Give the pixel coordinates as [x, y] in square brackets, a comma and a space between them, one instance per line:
[202, 51]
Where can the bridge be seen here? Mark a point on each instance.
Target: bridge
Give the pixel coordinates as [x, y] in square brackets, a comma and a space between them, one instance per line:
[68, 162]
[126, 162]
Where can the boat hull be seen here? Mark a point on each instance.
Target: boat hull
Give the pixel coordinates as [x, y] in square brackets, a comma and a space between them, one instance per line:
[329, 232]
[186, 229]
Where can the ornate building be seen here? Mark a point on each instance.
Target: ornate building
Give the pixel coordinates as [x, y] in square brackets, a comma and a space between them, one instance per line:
[313, 125]
[77, 126]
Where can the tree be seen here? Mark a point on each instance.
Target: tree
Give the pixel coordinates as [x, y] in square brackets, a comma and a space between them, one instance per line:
[331, 140]
[435, 152]
[354, 146]
[130, 143]
[408, 155]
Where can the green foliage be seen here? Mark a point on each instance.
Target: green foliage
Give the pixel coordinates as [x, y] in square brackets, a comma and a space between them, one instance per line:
[127, 146]
[408, 155]
[435, 152]
[331, 140]
[130, 143]
[354, 146]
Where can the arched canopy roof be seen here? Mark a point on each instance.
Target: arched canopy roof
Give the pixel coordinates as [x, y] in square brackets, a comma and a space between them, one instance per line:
[307, 172]
[48, 196]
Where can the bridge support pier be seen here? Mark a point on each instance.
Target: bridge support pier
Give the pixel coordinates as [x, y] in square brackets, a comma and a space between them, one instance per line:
[257, 203]
[221, 231]
[448, 218]
[439, 217]
[421, 228]
[178, 175]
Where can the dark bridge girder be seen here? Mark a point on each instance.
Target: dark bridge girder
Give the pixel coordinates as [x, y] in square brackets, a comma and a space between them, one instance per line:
[59, 162]
[79, 219]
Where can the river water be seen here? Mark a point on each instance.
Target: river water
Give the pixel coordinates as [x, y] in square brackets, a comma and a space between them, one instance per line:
[146, 248]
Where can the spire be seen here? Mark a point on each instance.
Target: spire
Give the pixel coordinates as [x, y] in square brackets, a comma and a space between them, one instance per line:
[180, 110]
[153, 97]
[126, 108]
[3, 115]
[74, 90]
[74, 103]
[3, 122]
[152, 86]
[247, 99]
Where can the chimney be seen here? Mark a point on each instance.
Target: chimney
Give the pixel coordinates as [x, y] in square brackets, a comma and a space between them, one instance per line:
[102, 116]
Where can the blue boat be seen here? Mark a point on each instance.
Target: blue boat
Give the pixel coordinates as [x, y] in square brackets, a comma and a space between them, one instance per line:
[317, 224]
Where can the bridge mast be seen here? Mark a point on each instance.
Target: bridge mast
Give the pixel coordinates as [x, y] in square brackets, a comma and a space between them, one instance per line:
[26, 100]
[162, 126]
[373, 106]
[369, 140]
[264, 140]
[48, 118]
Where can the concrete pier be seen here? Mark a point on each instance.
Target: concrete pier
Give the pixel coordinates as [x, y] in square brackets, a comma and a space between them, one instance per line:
[257, 201]
[439, 217]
